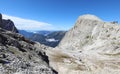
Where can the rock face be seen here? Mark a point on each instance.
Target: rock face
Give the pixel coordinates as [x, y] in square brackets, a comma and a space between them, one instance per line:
[7, 25]
[84, 29]
[90, 47]
[18, 55]
[0, 19]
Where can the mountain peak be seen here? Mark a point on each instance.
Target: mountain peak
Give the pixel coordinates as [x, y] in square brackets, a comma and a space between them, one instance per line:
[90, 17]
[94, 43]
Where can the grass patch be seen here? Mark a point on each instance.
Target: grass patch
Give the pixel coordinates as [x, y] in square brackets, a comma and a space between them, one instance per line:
[13, 50]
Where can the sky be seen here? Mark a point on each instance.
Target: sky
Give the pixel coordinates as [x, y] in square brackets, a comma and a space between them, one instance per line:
[56, 14]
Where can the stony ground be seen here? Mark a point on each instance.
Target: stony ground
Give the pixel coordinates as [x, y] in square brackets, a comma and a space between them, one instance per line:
[19, 55]
[90, 47]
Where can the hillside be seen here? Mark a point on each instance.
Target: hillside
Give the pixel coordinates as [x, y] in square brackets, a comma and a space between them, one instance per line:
[92, 46]
[19, 55]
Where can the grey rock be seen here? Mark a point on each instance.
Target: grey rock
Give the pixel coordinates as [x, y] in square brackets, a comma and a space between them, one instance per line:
[7, 25]
[92, 46]
[19, 55]
[0, 19]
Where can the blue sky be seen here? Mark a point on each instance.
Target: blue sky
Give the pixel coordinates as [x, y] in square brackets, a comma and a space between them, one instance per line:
[59, 14]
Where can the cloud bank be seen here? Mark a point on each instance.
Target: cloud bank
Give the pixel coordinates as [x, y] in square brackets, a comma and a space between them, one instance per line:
[29, 25]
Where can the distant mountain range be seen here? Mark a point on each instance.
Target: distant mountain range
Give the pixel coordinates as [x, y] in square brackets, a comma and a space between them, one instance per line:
[49, 38]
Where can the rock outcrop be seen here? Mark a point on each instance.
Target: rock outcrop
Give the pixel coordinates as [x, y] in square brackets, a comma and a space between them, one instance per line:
[90, 47]
[7, 25]
[0, 19]
[18, 55]
[84, 29]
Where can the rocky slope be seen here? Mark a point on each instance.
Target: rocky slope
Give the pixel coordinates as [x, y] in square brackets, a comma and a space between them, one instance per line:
[90, 47]
[7, 25]
[19, 55]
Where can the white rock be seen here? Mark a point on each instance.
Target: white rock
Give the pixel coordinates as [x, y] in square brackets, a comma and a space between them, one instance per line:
[91, 46]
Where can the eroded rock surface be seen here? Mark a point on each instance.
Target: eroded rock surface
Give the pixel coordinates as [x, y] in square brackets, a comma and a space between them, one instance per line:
[7, 25]
[18, 55]
[90, 47]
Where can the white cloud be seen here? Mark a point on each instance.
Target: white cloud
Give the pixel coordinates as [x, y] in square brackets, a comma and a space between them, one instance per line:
[29, 25]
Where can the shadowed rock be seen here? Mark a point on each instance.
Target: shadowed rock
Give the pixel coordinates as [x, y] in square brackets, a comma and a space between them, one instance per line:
[19, 55]
[7, 25]
[0, 19]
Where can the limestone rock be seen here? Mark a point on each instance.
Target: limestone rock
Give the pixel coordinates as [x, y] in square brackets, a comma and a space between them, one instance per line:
[92, 46]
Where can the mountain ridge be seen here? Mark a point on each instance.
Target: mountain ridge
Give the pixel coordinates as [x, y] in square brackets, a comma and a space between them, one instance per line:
[7, 24]
[90, 47]
[48, 38]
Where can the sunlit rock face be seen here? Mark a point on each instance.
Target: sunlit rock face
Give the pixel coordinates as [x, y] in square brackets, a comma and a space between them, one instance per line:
[82, 33]
[90, 47]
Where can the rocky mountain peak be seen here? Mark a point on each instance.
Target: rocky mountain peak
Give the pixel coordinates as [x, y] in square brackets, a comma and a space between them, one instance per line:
[7, 24]
[90, 17]
[83, 28]
[90, 47]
